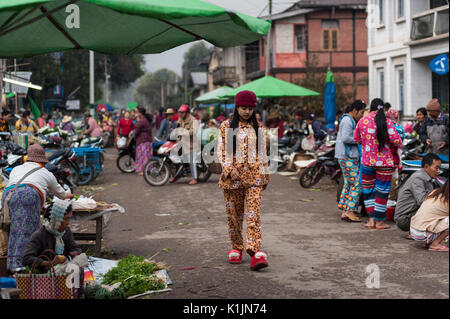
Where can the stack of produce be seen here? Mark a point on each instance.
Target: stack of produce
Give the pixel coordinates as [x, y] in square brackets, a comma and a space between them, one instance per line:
[133, 276]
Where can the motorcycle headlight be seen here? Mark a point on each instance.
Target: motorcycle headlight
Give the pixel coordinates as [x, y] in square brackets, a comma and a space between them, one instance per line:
[162, 150]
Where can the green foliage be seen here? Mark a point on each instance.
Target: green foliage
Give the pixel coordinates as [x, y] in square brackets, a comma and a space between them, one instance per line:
[135, 276]
[71, 70]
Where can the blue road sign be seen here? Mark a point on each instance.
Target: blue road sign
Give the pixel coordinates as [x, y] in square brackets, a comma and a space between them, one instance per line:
[439, 64]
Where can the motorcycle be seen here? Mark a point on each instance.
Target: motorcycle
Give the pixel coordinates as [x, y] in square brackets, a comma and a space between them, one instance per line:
[163, 165]
[12, 155]
[325, 164]
[288, 146]
[127, 154]
[66, 159]
[411, 147]
[62, 175]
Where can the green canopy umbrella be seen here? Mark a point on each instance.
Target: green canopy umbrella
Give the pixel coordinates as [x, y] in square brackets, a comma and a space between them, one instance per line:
[271, 87]
[213, 96]
[31, 27]
[132, 105]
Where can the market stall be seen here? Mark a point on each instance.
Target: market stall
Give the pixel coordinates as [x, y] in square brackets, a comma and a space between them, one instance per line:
[87, 209]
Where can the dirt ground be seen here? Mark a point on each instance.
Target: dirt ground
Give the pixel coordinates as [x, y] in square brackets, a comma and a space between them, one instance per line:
[312, 253]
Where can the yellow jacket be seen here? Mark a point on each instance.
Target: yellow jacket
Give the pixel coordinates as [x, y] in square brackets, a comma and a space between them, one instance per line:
[22, 127]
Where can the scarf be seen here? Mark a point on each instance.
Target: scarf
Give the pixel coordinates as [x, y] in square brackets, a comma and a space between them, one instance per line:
[59, 209]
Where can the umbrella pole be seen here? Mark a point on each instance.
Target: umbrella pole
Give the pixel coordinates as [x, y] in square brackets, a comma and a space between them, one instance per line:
[91, 78]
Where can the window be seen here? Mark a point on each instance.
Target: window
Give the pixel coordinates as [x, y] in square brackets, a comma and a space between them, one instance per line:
[400, 88]
[330, 34]
[380, 77]
[400, 9]
[439, 87]
[380, 12]
[438, 3]
[300, 39]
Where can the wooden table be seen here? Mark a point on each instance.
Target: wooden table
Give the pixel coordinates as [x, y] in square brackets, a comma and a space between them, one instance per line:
[98, 215]
[97, 236]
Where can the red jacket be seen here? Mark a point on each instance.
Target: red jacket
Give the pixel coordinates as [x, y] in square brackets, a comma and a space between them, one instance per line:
[125, 126]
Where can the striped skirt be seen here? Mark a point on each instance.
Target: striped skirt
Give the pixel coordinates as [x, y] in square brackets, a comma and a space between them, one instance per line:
[24, 209]
[376, 183]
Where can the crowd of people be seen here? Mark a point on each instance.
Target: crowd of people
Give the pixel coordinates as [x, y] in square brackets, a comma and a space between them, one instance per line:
[367, 148]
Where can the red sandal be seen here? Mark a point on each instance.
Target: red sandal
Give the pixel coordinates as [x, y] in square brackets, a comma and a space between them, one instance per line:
[235, 256]
[259, 261]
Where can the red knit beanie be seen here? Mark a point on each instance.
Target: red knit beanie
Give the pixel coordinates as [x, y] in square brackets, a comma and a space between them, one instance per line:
[245, 98]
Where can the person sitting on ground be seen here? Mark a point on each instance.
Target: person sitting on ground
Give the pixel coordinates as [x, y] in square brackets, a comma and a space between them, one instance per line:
[53, 236]
[413, 192]
[26, 124]
[430, 224]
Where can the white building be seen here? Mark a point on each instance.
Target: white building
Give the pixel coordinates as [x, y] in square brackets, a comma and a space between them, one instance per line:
[403, 37]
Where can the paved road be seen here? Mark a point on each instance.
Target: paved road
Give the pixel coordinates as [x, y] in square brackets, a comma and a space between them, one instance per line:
[312, 254]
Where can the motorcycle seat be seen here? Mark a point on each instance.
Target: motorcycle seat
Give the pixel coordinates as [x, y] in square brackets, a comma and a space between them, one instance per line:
[56, 154]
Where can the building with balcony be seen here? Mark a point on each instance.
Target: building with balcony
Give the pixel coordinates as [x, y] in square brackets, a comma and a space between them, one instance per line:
[330, 32]
[404, 36]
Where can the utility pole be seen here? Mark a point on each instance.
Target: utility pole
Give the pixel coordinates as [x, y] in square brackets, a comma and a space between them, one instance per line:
[185, 84]
[15, 87]
[91, 78]
[268, 44]
[105, 61]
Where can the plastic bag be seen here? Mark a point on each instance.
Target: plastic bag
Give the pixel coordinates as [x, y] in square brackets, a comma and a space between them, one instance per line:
[308, 143]
[84, 203]
[121, 142]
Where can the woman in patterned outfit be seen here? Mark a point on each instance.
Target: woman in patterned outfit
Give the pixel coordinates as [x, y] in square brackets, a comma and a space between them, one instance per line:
[244, 177]
[347, 154]
[27, 201]
[143, 136]
[376, 134]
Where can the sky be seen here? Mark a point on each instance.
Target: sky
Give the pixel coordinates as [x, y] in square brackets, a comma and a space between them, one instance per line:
[173, 59]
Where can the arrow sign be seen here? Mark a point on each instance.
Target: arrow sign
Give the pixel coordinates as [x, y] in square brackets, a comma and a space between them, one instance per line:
[439, 64]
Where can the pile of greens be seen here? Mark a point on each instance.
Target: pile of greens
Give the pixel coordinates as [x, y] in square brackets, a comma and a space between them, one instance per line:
[135, 276]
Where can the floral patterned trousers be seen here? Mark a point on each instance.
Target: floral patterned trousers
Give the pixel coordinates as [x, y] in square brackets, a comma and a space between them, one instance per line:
[236, 201]
[352, 187]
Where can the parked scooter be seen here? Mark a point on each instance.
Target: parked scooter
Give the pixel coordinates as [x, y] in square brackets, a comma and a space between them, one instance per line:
[288, 146]
[163, 165]
[325, 164]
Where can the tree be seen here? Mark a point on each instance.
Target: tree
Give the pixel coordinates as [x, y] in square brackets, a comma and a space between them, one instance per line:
[159, 89]
[314, 79]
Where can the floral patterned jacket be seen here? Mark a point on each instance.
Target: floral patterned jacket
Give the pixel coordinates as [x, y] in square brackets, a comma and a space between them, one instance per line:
[365, 134]
[252, 167]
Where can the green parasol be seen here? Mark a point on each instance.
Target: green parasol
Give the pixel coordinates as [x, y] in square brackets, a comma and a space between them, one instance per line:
[132, 105]
[213, 96]
[271, 87]
[32, 27]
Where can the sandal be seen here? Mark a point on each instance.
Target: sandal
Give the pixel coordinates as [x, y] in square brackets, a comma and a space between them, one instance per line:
[369, 226]
[439, 248]
[235, 256]
[351, 219]
[383, 227]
